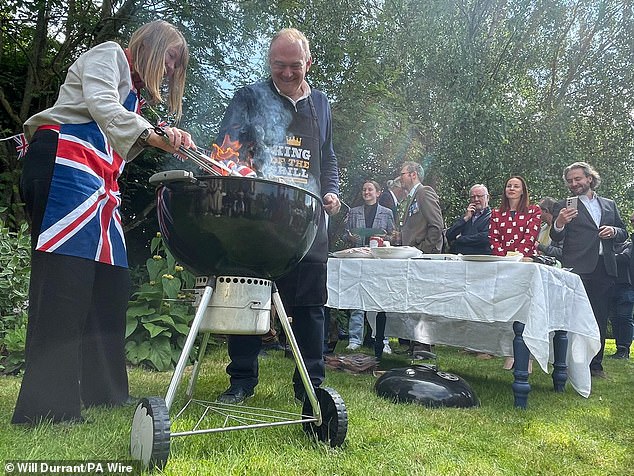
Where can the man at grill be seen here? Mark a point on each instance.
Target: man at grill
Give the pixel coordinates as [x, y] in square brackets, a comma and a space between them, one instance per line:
[284, 131]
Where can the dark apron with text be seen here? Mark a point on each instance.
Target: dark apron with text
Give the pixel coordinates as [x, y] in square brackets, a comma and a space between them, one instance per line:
[298, 162]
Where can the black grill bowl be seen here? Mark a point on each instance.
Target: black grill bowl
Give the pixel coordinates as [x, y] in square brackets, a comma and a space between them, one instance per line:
[235, 226]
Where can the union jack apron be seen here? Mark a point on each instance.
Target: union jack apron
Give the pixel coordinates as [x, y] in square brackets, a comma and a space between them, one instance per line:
[82, 212]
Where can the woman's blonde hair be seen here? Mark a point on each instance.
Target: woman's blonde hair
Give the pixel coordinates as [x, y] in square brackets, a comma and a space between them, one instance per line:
[148, 46]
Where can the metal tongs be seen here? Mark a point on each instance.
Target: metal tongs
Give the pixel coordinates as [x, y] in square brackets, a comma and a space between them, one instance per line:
[203, 161]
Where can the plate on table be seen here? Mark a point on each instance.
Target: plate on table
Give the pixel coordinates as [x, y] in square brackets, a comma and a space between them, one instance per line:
[363, 252]
[396, 252]
[440, 257]
[491, 258]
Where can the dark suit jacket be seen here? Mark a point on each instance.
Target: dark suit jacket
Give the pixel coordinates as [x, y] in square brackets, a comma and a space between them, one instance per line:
[474, 235]
[624, 263]
[386, 199]
[581, 237]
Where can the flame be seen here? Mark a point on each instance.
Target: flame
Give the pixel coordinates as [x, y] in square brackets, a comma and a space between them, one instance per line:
[228, 150]
[229, 154]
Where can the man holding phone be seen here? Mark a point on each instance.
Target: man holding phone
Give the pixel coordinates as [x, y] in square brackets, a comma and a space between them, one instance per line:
[588, 232]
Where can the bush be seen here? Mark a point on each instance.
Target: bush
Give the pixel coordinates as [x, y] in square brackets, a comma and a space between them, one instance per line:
[159, 312]
[15, 267]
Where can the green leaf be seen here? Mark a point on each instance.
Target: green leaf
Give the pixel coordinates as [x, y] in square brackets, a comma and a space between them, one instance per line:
[159, 319]
[181, 313]
[171, 287]
[155, 268]
[160, 354]
[171, 262]
[154, 330]
[181, 328]
[155, 243]
[139, 310]
[136, 353]
[176, 355]
[130, 327]
[152, 293]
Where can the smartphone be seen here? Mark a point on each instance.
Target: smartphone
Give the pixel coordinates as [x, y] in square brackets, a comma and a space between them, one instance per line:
[571, 202]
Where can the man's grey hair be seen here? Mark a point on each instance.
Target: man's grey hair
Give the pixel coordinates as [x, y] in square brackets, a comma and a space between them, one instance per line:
[479, 185]
[414, 167]
[588, 171]
[294, 36]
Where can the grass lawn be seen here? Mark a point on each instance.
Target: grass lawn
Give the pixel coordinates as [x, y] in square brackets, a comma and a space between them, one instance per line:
[559, 434]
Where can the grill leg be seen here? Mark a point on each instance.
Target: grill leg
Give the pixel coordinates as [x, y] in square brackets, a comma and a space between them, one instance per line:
[189, 344]
[196, 369]
[299, 361]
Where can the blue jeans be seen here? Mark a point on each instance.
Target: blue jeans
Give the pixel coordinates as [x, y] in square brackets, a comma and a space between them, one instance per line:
[622, 321]
[356, 326]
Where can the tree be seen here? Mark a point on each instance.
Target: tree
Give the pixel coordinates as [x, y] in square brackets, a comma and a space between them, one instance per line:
[475, 90]
[39, 39]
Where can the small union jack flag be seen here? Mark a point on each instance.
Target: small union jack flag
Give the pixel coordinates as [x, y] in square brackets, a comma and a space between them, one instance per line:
[22, 145]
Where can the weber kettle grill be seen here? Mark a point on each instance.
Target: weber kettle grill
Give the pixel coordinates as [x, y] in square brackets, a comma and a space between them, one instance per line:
[239, 235]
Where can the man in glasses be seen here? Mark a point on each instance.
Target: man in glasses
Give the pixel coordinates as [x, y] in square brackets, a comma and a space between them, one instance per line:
[421, 222]
[469, 234]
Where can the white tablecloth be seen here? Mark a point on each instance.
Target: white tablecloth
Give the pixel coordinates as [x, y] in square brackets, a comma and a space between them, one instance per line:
[473, 305]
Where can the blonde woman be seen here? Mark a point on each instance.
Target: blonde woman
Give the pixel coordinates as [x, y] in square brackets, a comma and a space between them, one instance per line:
[80, 284]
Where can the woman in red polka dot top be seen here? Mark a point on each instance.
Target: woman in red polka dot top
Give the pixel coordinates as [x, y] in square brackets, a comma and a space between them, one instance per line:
[515, 225]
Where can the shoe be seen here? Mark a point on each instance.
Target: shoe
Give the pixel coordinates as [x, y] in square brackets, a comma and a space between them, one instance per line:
[621, 354]
[353, 347]
[234, 395]
[598, 373]
[387, 349]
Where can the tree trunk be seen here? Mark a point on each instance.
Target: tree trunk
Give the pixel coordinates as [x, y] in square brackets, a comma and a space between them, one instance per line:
[39, 47]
